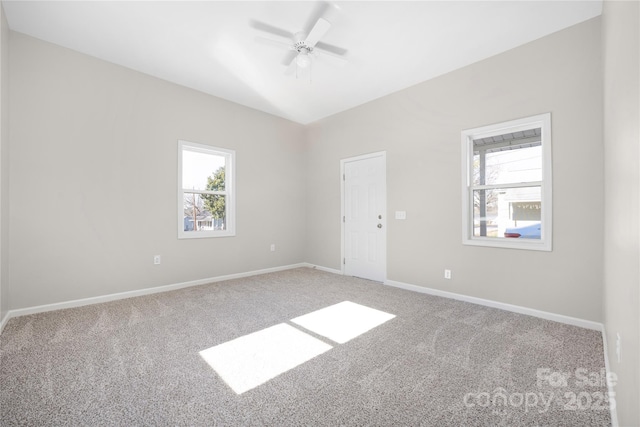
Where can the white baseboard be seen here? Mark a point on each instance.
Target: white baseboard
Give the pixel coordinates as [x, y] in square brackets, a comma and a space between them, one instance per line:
[3, 322]
[140, 292]
[588, 324]
[321, 268]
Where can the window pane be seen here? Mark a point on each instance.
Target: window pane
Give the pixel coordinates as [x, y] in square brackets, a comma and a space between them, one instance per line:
[508, 213]
[203, 171]
[506, 162]
[204, 212]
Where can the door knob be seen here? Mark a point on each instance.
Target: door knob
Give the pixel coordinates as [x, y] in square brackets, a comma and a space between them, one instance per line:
[379, 225]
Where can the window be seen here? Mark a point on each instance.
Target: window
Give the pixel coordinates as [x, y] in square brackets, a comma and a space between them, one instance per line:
[507, 184]
[205, 191]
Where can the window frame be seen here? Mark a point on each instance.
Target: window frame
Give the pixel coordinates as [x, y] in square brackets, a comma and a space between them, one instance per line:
[229, 191]
[543, 121]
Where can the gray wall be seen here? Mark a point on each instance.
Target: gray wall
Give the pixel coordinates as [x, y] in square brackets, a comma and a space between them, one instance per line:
[93, 179]
[4, 165]
[420, 129]
[621, 49]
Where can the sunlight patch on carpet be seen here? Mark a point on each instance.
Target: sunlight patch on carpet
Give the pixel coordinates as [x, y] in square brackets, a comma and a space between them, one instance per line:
[251, 360]
[343, 321]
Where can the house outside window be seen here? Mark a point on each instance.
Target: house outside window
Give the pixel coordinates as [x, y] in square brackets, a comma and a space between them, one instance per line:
[507, 190]
[206, 202]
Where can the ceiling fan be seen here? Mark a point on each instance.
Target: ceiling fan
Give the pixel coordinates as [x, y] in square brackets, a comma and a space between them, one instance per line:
[303, 45]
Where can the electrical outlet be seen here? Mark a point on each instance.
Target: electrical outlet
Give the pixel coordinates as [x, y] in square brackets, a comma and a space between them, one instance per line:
[273, 247]
[156, 259]
[447, 274]
[618, 346]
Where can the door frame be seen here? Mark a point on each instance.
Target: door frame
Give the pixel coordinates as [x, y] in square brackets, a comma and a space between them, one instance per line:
[382, 154]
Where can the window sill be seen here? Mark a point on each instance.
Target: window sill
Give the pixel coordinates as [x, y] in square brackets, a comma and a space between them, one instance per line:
[489, 242]
[206, 235]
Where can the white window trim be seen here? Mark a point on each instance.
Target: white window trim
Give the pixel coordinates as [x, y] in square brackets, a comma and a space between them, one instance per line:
[230, 191]
[545, 243]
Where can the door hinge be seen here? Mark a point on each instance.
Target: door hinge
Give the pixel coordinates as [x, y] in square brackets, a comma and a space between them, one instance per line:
[343, 220]
[344, 178]
[344, 261]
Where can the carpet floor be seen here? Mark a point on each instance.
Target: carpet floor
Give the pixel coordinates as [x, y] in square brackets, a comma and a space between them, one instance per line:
[424, 361]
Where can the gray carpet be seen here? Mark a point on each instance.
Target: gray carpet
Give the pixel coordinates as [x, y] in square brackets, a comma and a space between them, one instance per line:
[438, 362]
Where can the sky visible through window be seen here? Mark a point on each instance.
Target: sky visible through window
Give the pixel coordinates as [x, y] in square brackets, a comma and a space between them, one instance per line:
[196, 167]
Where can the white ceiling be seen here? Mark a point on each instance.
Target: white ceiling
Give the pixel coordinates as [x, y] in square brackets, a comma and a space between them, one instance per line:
[210, 46]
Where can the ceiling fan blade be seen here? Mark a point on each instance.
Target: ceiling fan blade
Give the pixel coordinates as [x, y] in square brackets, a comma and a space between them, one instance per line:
[265, 40]
[336, 50]
[258, 25]
[321, 9]
[319, 30]
[331, 57]
[290, 58]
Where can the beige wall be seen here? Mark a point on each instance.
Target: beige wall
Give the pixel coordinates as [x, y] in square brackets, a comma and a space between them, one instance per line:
[420, 129]
[621, 48]
[4, 165]
[93, 179]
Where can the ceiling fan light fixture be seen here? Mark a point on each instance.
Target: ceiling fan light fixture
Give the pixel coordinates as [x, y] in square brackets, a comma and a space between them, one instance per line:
[303, 60]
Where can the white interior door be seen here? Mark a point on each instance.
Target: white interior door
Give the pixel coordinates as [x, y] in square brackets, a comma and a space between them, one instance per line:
[364, 217]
